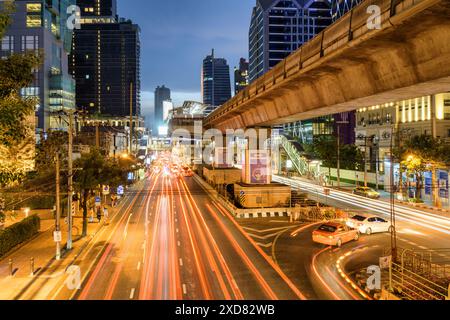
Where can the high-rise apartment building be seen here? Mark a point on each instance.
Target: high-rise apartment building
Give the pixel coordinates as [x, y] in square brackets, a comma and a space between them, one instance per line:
[39, 25]
[162, 94]
[280, 27]
[106, 61]
[215, 83]
[241, 76]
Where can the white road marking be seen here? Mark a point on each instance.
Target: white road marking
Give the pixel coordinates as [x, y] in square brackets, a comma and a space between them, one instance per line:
[139, 265]
[179, 243]
[178, 230]
[132, 293]
[264, 245]
[181, 262]
[126, 227]
[184, 289]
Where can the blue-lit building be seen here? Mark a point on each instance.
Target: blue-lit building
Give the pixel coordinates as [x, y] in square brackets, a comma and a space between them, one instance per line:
[41, 25]
[215, 82]
[280, 27]
[341, 7]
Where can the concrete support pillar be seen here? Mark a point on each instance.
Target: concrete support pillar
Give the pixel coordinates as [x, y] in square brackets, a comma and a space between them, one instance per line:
[257, 164]
[433, 116]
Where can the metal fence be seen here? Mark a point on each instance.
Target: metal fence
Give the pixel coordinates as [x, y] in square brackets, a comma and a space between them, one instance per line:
[421, 274]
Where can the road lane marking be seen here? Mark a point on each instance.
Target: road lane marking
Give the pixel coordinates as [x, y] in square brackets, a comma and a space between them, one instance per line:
[125, 234]
[268, 245]
[178, 231]
[132, 293]
[139, 265]
[184, 289]
[181, 262]
[179, 243]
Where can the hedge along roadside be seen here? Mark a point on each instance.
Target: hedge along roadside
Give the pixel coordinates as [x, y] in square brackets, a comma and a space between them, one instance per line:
[18, 233]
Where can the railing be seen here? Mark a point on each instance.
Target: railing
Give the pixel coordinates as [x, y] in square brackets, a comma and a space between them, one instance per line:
[300, 163]
[414, 275]
[350, 27]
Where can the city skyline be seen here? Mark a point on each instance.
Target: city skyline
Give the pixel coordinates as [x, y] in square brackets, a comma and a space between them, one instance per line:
[180, 36]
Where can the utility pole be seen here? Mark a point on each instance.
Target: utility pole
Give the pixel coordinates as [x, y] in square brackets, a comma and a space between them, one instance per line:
[365, 162]
[392, 198]
[339, 157]
[70, 182]
[131, 118]
[58, 206]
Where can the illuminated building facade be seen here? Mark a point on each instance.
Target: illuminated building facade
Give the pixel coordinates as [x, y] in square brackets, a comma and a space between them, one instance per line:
[39, 25]
[428, 115]
[106, 61]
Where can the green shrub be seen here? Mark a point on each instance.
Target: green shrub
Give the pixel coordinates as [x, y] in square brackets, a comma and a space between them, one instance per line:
[18, 233]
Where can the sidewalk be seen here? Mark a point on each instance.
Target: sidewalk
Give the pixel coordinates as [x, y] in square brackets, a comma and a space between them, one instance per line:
[43, 249]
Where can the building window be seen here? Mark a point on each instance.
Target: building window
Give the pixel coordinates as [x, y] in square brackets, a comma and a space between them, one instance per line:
[7, 44]
[34, 19]
[30, 43]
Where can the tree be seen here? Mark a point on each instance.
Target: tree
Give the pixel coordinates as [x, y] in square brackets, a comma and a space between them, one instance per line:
[351, 157]
[325, 149]
[424, 153]
[15, 133]
[88, 179]
[94, 171]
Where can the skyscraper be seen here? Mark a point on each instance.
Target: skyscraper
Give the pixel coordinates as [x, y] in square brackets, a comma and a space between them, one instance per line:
[106, 61]
[216, 85]
[341, 7]
[162, 94]
[279, 28]
[41, 25]
[241, 76]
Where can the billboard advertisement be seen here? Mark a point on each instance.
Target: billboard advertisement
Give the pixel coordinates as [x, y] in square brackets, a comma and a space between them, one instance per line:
[443, 184]
[259, 167]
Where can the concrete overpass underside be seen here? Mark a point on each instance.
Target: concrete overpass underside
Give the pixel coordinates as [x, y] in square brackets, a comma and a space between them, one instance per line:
[349, 66]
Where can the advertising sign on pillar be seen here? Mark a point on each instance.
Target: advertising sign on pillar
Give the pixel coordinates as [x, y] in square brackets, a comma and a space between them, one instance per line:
[428, 183]
[257, 167]
[443, 184]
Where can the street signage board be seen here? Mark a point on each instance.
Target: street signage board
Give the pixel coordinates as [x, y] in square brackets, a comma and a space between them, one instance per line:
[120, 190]
[106, 190]
[98, 201]
[385, 262]
[57, 236]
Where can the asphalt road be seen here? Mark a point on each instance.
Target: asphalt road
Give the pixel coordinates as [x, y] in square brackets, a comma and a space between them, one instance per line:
[175, 242]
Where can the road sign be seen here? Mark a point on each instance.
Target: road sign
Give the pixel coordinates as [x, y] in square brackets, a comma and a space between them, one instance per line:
[57, 236]
[120, 190]
[385, 262]
[106, 190]
[98, 201]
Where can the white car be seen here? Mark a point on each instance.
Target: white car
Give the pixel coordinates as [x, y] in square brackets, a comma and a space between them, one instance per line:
[369, 224]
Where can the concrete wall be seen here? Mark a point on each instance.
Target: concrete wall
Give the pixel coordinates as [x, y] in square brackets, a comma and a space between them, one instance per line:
[221, 176]
[267, 196]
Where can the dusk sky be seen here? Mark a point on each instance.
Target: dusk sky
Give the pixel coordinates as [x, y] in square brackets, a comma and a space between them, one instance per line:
[177, 34]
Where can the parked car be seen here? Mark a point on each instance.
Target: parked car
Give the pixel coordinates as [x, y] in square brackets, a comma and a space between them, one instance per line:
[335, 234]
[366, 192]
[369, 224]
